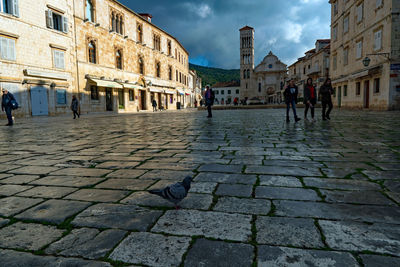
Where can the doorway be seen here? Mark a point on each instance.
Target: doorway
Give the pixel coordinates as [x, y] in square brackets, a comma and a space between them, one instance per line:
[39, 101]
[366, 94]
[339, 96]
[121, 100]
[166, 101]
[109, 99]
[142, 100]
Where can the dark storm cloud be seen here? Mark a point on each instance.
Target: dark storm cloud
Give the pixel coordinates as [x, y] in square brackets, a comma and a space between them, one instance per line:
[209, 29]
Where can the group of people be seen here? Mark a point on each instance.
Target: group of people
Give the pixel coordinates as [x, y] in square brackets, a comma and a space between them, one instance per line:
[310, 99]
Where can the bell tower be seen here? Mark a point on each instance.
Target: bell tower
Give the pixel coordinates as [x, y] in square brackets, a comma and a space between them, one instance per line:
[246, 60]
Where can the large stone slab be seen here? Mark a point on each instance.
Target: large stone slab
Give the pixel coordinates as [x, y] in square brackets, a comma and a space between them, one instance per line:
[4, 222]
[151, 249]
[243, 205]
[382, 175]
[392, 185]
[379, 261]
[169, 166]
[235, 190]
[129, 217]
[117, 165]
[298, 232]
[236, 227]
[166, 175]
[277, 180]
[217, 253]
[28, 236]
[286, 193]
[282, 256]
[203, 187]
[226, 178]
[19, 179]
[47, 192]
[125, 184]
[34, 170]
[343, 184]
[365, 213]
[83, 172]
[53, 211]
[353, 236]
[98, 195]
[87, 243]
[221, 168]
[11, 258]
[192, 201]
[356, 197]
[13, 205]
[278, 170]
[126, 174]
[9, 189]
[70, 181]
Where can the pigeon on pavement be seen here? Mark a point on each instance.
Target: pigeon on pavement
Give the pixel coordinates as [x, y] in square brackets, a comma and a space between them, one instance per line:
[174, 193]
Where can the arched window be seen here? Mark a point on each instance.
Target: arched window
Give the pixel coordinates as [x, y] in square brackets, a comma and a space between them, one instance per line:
[170, 73]
[259, 87]
[139, 34]
[141, 66]
[89, 10]
[117, 24]
[121, 25]
[177, 76]
[248, 74]
[92, 52]
[169, 48]
[118, 59]
[244, 74]
[158, 69]
[113, 22]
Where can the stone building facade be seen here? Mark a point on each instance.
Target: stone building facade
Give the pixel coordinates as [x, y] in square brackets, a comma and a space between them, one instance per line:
[264, 82]
[226, 92]
[37, 55]
[315, 65]
[365, 53]
[112, 58]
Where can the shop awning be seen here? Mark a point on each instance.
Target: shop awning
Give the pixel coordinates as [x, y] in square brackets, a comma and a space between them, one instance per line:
[108, 84]
[130, 86]
[181, 92]
[171, 92]
[186, 93]
[156, 90]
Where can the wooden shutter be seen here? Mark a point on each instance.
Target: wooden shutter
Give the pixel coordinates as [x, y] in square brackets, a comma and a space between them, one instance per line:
[65, 24]
[3, 47]
[11, 49]
[49, 19]
[15, 8]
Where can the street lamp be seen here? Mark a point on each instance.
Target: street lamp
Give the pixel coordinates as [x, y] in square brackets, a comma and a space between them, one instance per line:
[367, 60]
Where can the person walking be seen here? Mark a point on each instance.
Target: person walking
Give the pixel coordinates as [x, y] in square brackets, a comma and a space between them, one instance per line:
[325, 93]
[6, 105]
[154, 104]
[75, 106]
[209, 97]
[291, 93]
[310, 98]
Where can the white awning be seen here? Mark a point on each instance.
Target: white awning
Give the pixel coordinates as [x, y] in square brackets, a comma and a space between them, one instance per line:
[131, 86]
[108, 84]
[359, 75]
[171, 92]
[181, 92]
[156, 90]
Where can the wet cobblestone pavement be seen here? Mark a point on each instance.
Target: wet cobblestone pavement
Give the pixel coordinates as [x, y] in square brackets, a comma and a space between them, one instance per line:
[265, 193]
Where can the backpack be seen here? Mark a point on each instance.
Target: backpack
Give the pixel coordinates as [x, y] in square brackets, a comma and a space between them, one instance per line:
[14, 104]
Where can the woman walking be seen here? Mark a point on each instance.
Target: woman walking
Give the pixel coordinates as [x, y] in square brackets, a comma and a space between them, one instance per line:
[290, 94]
[325, 93]
[75, 106]
[210, 97]
[310, 98]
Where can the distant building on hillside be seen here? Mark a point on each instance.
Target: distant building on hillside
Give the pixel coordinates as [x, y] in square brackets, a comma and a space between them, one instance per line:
[264, 82]
[226, 92]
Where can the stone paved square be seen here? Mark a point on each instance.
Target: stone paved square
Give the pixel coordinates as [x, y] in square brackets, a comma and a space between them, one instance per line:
[265, 193]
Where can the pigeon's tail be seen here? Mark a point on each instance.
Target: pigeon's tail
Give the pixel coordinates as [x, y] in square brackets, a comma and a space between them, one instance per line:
[157, 192]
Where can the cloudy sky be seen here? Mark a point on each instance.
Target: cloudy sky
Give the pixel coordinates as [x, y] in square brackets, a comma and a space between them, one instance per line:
[209, 29]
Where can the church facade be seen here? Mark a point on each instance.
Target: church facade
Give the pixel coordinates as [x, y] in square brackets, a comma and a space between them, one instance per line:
[265, 82]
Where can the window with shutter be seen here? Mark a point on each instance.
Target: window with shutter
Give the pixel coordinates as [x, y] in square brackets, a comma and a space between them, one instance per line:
[378, 40]
[346, 24]
[15, 8]
[359, 12]
[65, 24]
[59, 59]
[359, 50]
[379, 3]
[7, 48]
[49, 19]
[9, 7]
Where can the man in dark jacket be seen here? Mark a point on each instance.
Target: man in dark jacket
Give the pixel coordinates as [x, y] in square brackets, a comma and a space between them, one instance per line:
[290, 94]
[209, 97]
[154, 104]
[75, 106]
[325, 93]
[310, 98]
[6, 105]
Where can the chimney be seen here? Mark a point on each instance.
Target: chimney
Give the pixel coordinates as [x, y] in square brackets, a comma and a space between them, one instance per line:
[146, 16]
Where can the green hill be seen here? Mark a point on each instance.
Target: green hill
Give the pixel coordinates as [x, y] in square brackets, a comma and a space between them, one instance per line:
[215, 75]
